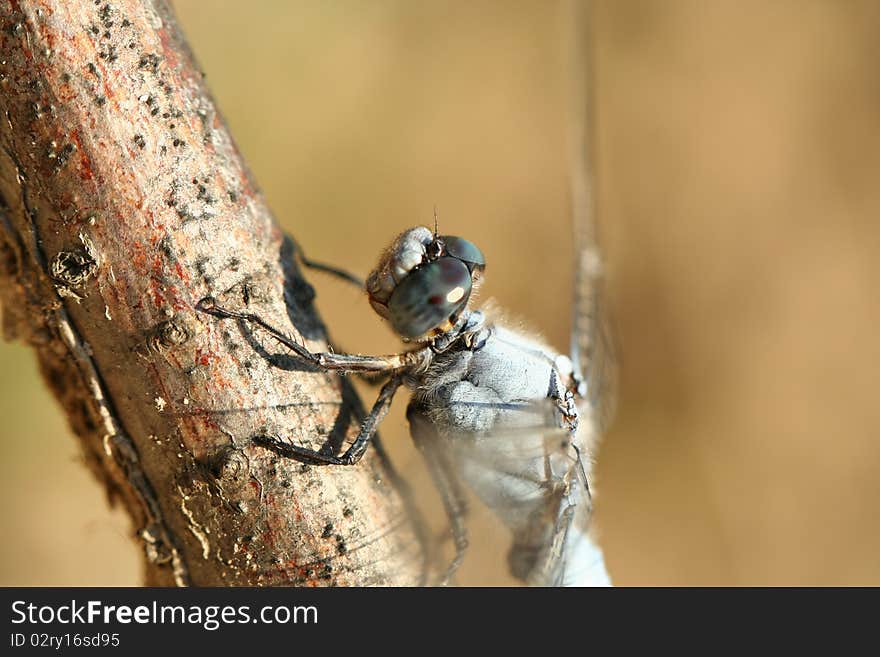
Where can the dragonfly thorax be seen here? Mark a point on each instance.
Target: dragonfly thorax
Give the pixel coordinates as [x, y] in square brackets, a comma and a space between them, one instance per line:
[424, 282]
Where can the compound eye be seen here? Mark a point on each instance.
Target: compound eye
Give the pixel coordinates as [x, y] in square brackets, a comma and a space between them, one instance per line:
[463, 250]
[429, 296]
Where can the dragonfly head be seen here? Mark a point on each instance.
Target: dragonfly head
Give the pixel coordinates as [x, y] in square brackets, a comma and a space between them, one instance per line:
[424, 281]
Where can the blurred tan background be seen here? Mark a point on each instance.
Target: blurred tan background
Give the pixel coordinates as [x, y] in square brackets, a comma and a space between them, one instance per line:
[738, 151]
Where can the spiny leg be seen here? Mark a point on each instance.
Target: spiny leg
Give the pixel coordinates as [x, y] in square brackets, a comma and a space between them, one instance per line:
[368, 377]
[356, 451]
[567, 406]
[446, 481]
[327, 269]
[565, 403]
[326, 361]
[396, 364]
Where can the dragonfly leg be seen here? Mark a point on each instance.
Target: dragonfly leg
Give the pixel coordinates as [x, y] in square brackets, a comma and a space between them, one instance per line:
[327, 269]
[326, 361]
[565, 402]
[446, 481]
[343, 275]
[460, 542]
[356, 451]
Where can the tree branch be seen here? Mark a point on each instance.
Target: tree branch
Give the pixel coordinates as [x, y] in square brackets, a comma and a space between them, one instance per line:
[123, 201]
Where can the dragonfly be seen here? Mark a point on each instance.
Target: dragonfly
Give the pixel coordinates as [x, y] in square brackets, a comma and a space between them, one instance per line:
[493, 409]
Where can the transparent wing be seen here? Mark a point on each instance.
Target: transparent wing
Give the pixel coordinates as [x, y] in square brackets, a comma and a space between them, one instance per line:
[530, 473]
[592, 347]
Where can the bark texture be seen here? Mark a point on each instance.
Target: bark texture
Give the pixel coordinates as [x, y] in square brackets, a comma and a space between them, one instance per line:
[124, 202]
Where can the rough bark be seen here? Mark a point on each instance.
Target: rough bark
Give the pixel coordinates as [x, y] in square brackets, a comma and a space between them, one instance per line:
[124, 202]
